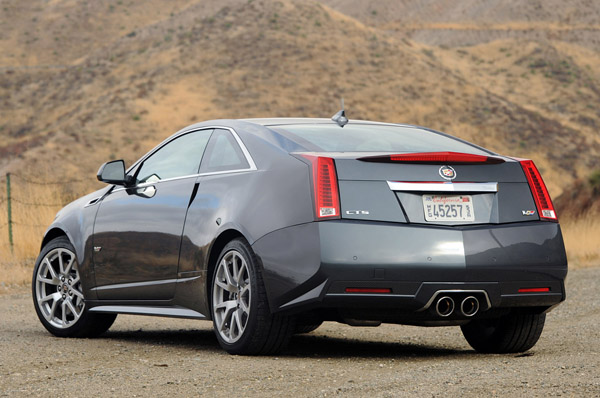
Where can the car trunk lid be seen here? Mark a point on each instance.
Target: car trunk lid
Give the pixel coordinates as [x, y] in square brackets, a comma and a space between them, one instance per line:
[438, 189]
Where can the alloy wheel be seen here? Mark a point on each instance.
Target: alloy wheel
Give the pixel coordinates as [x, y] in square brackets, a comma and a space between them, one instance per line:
[231, 296]
[59, 295]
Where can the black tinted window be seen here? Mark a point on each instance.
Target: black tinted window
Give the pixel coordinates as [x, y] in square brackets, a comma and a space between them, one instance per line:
[179, 157]
[375, 138]
[223, 153]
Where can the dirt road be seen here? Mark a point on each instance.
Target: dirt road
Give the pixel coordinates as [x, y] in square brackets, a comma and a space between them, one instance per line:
[154, 357]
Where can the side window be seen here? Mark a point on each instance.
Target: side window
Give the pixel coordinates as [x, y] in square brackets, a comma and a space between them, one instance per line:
[179, 157]
[223, 153]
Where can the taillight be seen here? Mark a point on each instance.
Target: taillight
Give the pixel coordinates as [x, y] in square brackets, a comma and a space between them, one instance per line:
[327, 198]
[538, 189]
[434, 158]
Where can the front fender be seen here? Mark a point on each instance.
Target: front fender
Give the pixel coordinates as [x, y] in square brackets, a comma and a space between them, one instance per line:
[76, 222]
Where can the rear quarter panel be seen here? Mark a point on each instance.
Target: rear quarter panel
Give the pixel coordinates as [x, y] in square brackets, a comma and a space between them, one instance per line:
[275, 196]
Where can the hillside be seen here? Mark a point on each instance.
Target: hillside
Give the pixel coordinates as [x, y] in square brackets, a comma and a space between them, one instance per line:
[470, 22]
[82, 82]
[152, 70]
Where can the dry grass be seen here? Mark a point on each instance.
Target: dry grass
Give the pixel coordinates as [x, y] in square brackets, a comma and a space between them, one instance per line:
[33, 209]
[582, 240]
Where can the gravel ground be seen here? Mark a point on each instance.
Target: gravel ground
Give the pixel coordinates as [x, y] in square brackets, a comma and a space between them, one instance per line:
[144, 356]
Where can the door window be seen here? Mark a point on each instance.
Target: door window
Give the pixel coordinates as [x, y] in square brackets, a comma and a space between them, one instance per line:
[180, 157]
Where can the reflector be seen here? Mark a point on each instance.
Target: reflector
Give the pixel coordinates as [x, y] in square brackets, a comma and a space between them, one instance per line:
[367, 290]
[534, 290]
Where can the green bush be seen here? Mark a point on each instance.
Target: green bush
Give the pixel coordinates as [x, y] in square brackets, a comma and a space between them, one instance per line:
[594, 180]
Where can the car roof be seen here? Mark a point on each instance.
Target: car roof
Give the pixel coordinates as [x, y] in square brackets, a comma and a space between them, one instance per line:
[283, 121]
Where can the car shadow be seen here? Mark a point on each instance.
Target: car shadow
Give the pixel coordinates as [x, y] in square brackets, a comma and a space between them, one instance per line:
[308, 346]
[333, 347]
[184, 338]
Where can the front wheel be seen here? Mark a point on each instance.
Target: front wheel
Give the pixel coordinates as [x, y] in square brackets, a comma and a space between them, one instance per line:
[58, 296]
[242, 320]
[515, 332]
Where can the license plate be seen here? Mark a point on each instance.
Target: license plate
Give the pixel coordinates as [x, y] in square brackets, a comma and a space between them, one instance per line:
[448, 208]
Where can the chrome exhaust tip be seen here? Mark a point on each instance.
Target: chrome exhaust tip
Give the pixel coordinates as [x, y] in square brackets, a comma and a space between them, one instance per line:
[444, 306]
[469, 306]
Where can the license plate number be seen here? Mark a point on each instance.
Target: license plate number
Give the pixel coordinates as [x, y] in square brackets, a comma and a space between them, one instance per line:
[448, 208]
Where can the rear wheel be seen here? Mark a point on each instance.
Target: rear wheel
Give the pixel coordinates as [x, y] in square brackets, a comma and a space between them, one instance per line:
[515, 332]
[242, 320]
[58, 295]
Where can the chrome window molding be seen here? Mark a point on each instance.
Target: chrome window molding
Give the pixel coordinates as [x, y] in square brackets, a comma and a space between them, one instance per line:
[148, 184]
[237, 138]
[165, 142]
[242, 146]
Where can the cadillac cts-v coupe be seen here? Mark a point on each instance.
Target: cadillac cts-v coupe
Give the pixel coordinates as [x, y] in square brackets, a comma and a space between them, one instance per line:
[268, 227]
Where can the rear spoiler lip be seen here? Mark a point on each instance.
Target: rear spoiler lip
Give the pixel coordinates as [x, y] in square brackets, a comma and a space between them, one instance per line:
[372, 156]
[434, 158]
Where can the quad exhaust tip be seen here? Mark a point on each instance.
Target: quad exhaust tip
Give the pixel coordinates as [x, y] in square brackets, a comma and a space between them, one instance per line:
[444, 306]
[469, 306]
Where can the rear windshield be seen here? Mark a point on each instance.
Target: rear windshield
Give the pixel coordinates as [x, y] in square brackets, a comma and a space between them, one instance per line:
[373, 138]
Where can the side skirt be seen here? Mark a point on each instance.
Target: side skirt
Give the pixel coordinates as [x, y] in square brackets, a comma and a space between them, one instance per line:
[172, 312]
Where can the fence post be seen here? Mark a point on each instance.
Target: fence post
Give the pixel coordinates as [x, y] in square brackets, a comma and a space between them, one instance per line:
[10, 235]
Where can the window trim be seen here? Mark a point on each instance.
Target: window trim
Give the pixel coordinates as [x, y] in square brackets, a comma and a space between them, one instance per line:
[235, 135]
[141, 164]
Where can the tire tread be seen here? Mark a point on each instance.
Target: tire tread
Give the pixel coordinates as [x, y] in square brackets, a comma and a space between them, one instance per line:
[517, 332]
[272, 332]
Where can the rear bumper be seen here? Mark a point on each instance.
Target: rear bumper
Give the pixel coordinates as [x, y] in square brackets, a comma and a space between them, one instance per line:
[311, 265]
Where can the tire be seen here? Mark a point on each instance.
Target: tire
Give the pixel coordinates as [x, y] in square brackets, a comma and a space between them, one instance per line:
[302, 328]
[512, 333]
[58, 296]
[242, 320]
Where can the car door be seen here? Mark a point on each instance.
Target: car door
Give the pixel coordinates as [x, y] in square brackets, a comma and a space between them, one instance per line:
[137, 232]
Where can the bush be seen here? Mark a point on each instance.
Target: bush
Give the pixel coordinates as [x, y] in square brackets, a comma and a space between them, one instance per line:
[594, 180]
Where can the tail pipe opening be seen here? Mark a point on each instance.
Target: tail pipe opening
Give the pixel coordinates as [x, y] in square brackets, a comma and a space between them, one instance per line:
[444, 306]
[469, 306]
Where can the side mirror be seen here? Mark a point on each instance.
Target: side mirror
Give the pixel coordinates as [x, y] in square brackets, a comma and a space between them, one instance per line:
[112, 172]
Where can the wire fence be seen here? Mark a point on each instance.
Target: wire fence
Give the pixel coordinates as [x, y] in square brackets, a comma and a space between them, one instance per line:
[15, 205]
[15, 200]
[34, 182]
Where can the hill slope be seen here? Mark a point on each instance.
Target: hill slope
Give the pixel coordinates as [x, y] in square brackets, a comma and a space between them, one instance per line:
[471, 22]
[120, 93]
[82, 82]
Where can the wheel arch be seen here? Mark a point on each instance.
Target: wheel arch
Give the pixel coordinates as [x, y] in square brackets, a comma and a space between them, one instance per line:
[213, 256]
[54, 233]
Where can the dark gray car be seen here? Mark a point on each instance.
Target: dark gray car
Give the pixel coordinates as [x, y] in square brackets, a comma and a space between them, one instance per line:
[268, 227]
